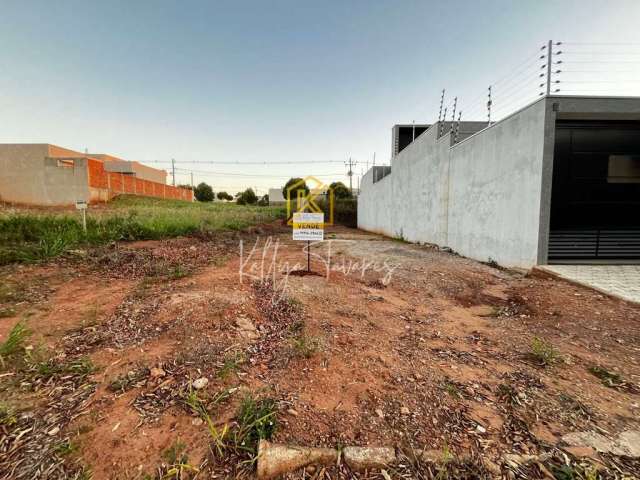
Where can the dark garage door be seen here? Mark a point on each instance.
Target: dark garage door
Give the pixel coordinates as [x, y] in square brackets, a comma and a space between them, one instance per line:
[595, 200]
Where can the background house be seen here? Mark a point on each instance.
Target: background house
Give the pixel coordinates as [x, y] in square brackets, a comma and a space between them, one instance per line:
[45, 174]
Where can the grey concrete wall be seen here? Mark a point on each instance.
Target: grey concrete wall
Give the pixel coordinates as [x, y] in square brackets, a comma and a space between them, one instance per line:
[489, 195]
[481, 196]
[495, 190]
[31, 176]
[411, 201]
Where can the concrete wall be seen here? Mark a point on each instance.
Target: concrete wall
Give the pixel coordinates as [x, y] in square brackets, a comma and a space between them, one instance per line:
[481, 196]
[32, 175]
[411, 201]
[276, 196]
[495, 185]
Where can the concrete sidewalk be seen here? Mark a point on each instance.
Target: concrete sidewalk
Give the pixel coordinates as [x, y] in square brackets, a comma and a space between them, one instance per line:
[622, 281]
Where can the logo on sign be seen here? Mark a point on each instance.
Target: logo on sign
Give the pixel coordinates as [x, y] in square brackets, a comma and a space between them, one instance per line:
[305, 195]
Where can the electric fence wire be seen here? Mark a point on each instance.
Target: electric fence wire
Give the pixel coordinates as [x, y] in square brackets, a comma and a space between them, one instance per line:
[590, 67]
[519, 76]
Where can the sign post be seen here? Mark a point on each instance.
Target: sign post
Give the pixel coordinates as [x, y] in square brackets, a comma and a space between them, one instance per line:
[309, 227]
[82, 206]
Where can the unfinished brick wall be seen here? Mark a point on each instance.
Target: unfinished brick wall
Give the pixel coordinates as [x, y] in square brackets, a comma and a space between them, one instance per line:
[117, 183]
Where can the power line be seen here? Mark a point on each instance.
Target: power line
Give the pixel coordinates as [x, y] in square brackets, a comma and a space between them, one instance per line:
[251, 175]
[214, 162]
[602, 43]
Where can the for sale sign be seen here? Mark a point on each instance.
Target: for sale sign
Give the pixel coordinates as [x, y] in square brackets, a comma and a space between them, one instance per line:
[308, 226]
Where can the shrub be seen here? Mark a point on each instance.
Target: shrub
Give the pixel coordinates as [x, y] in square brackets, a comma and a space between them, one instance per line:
[293, 193]
[340, 190]
[248, 197]
[204, 193]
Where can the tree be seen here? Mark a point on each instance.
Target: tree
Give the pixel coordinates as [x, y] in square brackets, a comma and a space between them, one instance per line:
[300, 185]
[224, 196]
[203, 193]
[264, 201]
[184, 185]
[248, 197]
[340, 190]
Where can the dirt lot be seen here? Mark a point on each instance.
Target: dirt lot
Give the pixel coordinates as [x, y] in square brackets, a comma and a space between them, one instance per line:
[145, 358]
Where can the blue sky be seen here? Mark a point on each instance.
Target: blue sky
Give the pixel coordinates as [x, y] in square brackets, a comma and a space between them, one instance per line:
[279, 81]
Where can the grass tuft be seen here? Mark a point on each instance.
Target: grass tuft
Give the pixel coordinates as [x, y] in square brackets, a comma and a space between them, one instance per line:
[177, 462]
[65, 448]
[543, 352]
[8, 415]
[232, 364]
[304, 346]
[256, 421]
[80, 367]
[608, 379]
[14, 343]
[201, 408]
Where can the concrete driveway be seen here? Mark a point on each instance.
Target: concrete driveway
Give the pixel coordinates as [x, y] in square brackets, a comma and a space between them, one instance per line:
[622, 281]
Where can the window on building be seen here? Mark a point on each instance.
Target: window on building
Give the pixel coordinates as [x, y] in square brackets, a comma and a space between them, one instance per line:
[624, 169]
[65, 163]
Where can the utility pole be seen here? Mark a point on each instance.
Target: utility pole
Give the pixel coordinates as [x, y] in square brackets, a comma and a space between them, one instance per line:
[191, 180]
[413, 123]
[173, 171]
[549, 60]
[374, 159]
[350, 164]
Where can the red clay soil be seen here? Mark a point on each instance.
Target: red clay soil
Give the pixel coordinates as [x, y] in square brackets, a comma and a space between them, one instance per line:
[392, 344]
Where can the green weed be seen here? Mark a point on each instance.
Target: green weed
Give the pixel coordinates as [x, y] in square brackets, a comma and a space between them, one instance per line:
[50, 368]
[452, 389]
[14, 342]
[65, 448]
[231, 364]
[543, 352]
[305, 346]
[256, 421]
[178, 272]
[609, 379]
[8, 415]
[178, 466]
[198, 406]
[399, 237]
